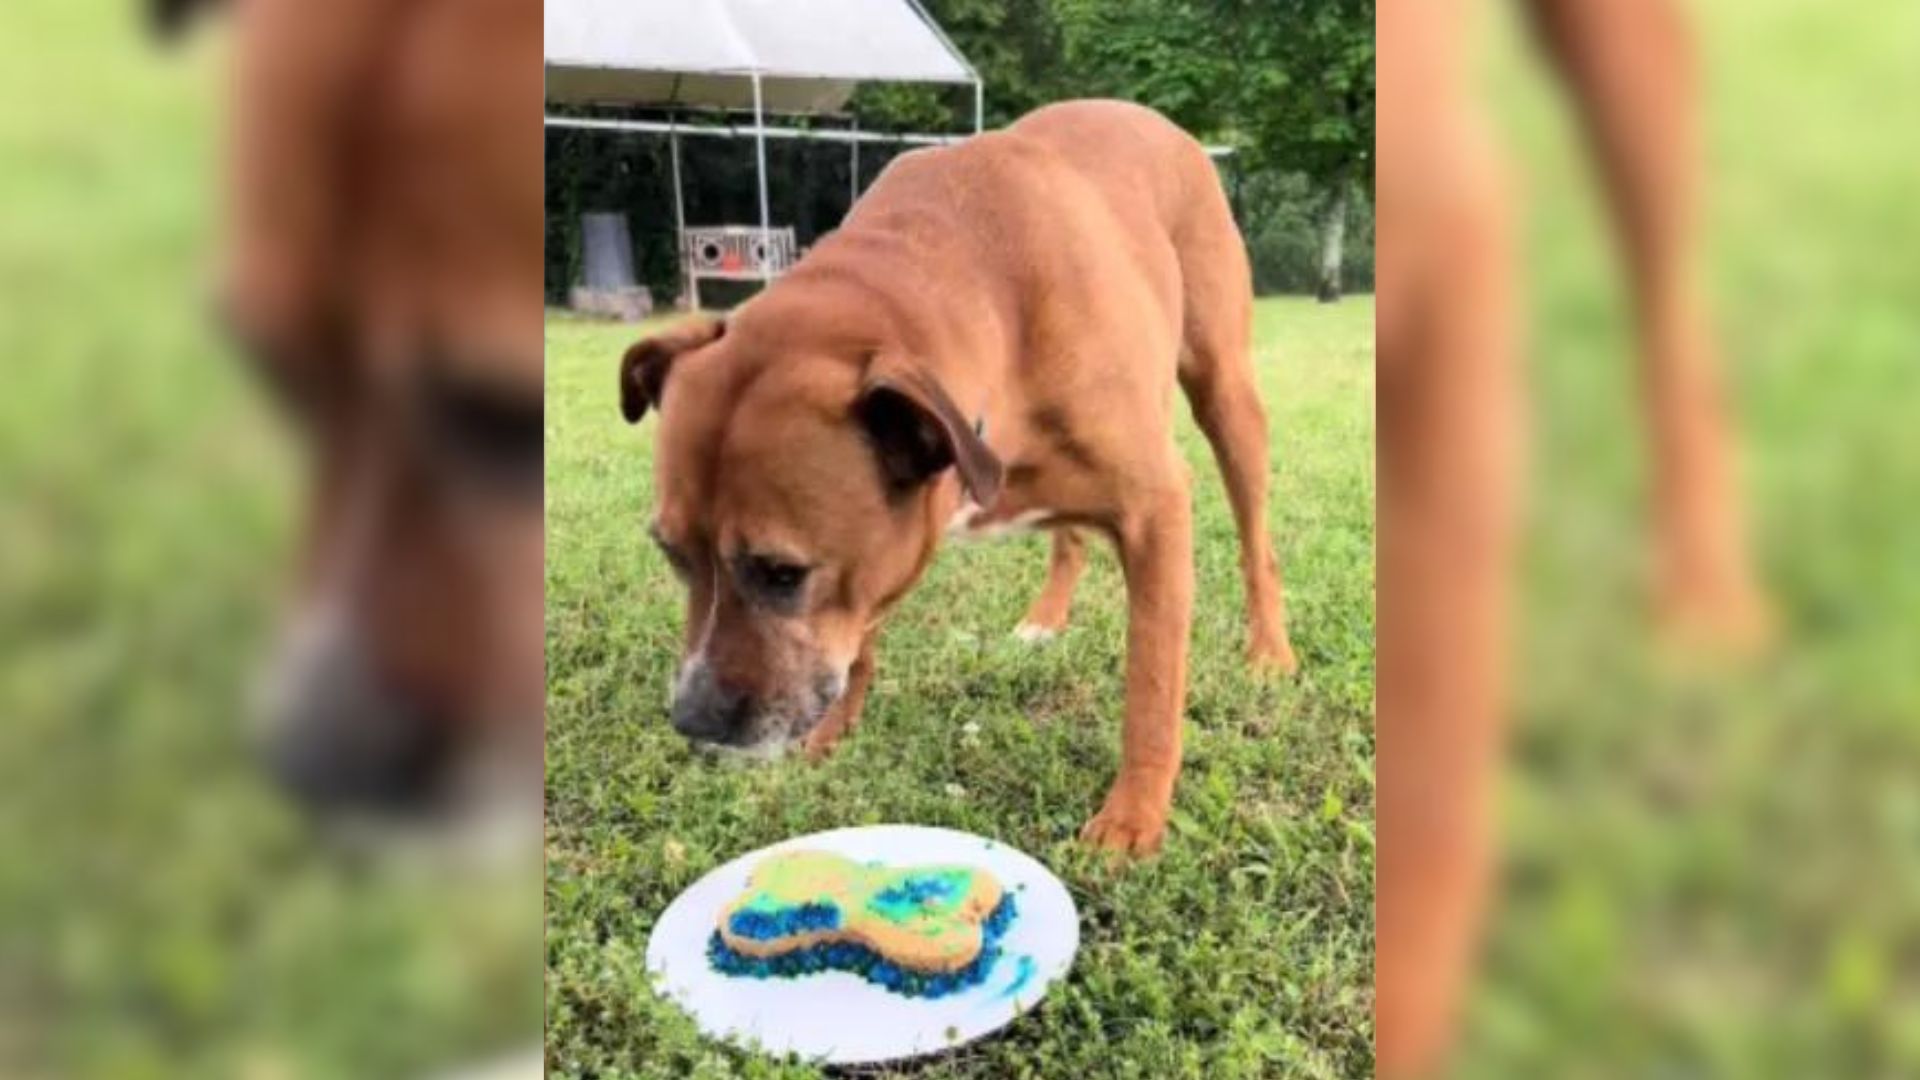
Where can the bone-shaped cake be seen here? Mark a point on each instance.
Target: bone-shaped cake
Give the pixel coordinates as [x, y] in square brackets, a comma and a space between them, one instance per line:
[925, 931]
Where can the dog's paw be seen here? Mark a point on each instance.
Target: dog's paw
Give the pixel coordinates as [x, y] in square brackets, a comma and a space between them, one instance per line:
[1733, 623]
[1273, 658]
[1125, 827]
[821, 741]
[1035, 634]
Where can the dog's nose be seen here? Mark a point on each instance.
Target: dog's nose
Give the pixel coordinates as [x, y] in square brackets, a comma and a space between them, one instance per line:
[708, 711]
[340, 738]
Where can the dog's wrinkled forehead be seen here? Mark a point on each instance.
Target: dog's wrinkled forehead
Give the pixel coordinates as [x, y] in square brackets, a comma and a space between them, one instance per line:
[750, 454]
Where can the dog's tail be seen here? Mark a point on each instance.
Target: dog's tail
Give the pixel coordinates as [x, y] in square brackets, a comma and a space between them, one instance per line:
[168, 19]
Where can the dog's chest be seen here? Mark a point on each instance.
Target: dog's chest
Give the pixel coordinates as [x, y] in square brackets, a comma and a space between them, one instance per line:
[975, 522]
[1016, 510]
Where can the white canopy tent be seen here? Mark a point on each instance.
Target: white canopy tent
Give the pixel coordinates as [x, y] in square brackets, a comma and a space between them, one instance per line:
[794, 57]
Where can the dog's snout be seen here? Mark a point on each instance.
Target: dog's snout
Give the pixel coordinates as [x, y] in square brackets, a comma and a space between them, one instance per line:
[339, 738]
[707, 710]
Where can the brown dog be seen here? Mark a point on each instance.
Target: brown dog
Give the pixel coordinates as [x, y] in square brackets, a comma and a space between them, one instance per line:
[991, 339]
[383, 269]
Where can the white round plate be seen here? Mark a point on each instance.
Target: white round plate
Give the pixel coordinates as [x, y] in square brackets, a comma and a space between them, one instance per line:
[838, 1018]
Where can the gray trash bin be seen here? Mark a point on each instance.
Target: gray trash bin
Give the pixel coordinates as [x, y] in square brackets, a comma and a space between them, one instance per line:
[607, 284]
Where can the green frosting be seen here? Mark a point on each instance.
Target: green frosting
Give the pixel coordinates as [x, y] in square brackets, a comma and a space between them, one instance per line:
[930, 894]
[800, 878]
[926, 900]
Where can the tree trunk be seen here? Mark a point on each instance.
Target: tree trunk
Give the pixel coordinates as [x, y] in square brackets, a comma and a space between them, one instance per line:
[1333, 239]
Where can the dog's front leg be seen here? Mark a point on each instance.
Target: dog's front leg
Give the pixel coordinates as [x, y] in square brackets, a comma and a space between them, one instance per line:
[845, 713]
[1156, 554]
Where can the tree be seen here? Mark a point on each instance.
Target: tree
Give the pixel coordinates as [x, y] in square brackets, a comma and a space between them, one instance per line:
[1016, 47]
[1288, 83]
[1312, 61]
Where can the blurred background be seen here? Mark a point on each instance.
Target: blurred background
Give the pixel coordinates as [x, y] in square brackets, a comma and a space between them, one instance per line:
[1716, 872]
[164, 911]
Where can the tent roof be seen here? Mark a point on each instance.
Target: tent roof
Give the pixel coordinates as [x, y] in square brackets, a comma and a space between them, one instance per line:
[809, 53]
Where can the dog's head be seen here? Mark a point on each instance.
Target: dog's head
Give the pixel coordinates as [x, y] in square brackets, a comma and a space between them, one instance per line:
[800, 494]
[383, 250]
[412, 654]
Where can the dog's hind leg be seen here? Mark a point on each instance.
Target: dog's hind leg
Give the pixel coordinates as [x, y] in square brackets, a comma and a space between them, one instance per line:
[1048, 615]
[1631, 67]
[1228, 410]
[1216, 371]
[1217, 375]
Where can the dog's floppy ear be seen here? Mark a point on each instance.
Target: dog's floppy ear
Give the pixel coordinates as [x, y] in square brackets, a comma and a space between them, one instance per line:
[917, 431]
[169, 18]
[643, 370]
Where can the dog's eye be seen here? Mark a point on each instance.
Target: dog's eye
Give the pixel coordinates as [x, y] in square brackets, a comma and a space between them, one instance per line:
[487, 432]
[772, 578]
[307, 393]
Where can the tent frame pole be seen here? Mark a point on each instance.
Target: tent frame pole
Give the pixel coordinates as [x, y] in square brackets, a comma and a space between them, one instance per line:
[760, 150]
[853, 171]
[746, 131]
[979, 106]
[689, 284]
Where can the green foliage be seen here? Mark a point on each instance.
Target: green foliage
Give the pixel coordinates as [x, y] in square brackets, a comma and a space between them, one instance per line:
[1015, 45]
[1170, 56]
[1288, 83]
[1245, 950]
[1281, 224]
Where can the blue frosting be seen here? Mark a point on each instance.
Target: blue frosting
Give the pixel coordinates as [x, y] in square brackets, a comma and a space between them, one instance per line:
[864, 962]
[769, 925]
[913, 892]
[999, 919]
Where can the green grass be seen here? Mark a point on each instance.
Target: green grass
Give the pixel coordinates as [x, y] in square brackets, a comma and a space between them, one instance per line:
[162, 911]
[1245, 950]
[1718, 873]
